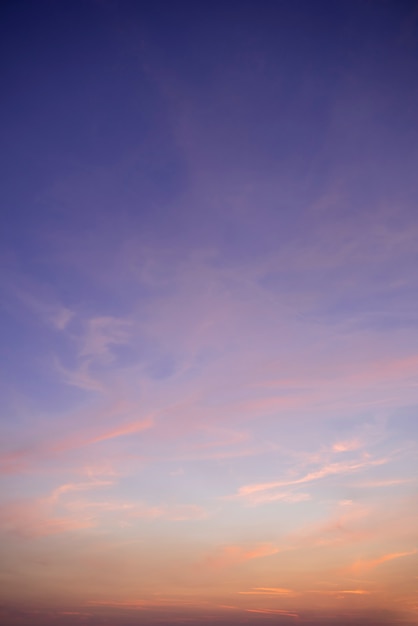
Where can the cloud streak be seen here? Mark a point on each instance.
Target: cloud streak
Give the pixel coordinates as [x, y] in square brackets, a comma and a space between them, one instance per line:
[332, 469]
[369, 564]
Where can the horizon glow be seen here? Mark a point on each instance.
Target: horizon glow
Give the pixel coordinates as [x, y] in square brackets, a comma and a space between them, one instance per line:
[209, 372]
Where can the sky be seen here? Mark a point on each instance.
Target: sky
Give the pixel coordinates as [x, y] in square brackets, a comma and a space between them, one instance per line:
[208, 316]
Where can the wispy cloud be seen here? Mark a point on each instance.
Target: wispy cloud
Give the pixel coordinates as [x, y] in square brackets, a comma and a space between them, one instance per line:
[95, 343]
[12, 462]
[366, 565]
[42, 303]
[34, 519]
[87, 439]
[332, 469]
[264, 497]
[80, 377]
[233, 555]
[127, 510]
[127, 429]
[268, 591]
[101, 334]
[71, 487]
[347, 446]
[389, 482]
[186, 512]
[274, 612]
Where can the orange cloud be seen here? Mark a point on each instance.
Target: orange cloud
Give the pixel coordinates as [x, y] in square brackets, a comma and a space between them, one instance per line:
[356, 592]
[268, 591]
[347, 446]
[273, 612]
[32, 519]
[366, 565]
[232, 555]
[135, 604]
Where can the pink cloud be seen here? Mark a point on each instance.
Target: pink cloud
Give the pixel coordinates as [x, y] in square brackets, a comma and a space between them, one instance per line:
[127, 429]
[332, 469]
[173, 512]
[365, 565]
[347, 446]
[13, 462]
[233, 555]
[32, 519]
[130, 510]
[346, 528]
[69, 487]
[385, 483]
[20, 460]
[255, 499]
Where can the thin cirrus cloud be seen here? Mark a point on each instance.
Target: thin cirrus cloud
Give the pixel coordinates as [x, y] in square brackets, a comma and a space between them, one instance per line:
[34, 519]
[233, 555]
[268, 591]
[277, 612]
[369, 564]
[333, 469]
[347, 446]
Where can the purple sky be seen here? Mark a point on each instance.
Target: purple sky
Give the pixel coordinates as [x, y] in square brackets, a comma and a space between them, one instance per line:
[209, 337]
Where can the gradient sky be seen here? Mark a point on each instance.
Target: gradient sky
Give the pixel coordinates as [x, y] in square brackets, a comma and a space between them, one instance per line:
[209, 296]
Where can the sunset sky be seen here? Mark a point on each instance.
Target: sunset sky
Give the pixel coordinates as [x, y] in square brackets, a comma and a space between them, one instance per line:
[209, 313]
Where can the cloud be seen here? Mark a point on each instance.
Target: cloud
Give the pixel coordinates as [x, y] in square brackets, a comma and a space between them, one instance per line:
[32, 519]
[274, 612]
[102, 333]
[87, 439]
[233, 555]
[127, 429]
[38, 517]
[255, 499]
[13, 462]
[70, 487]
[390, 482]
[128, 510]
[268, 591]
[365, 565]
[95, 347]
[127, 604]
[354, 592]
[185, 512]
[137, 604]
[332, 469]
[80, 377]
[44, 305]
[349, 524]
[61, 317]
[347, 446]
[176, 513]
[95, 426]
